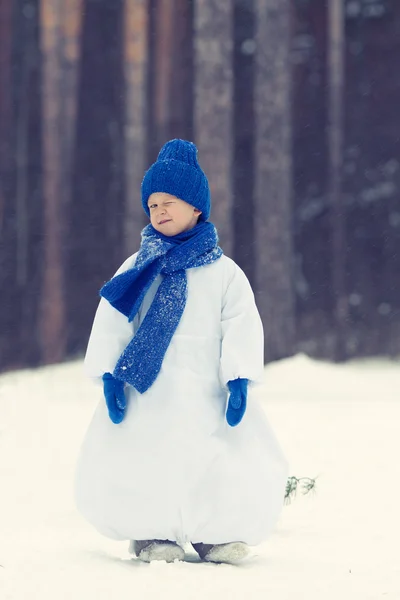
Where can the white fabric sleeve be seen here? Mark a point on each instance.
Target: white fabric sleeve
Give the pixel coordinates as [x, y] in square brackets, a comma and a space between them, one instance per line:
[111, 333]
[242, 349]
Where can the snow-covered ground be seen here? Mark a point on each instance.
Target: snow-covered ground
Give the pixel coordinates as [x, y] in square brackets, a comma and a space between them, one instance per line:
[340, 423]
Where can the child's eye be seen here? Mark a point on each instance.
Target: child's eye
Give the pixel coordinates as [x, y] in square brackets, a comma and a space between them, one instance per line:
[153, 205]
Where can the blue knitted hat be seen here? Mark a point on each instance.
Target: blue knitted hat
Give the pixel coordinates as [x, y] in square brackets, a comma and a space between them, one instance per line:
[177, 172]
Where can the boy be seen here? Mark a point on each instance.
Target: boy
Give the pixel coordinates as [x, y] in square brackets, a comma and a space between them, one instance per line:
[175, 454]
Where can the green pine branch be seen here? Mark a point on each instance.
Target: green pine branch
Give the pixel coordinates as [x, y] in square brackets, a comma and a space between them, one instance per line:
[295, 484]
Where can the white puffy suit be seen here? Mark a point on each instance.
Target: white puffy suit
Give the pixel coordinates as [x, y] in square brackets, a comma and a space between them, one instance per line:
[173, 468]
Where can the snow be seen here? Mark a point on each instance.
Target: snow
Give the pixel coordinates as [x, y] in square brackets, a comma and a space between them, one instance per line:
[339, 423]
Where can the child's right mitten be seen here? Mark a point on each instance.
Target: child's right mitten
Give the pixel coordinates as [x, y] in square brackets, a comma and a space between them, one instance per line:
[115, 397]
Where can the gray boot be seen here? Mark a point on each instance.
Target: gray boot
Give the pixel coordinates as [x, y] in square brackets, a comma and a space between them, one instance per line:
[149, 550]
[232, 552]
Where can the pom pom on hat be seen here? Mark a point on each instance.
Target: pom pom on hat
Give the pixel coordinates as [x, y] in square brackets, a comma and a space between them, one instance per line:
[177, 172]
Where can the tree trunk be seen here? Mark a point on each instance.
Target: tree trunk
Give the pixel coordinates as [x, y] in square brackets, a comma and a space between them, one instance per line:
[20, 255]
[136, 65]
[52, 317]
[5, 95]
[243, 163]
[181, 99]
[335, 145]
[96, 237]
[170, 73]
[273, 177]
[163, 71]
[213, 106]
[8, 314]
[71, 24]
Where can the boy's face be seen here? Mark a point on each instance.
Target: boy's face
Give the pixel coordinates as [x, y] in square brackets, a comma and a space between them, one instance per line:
[170, 215]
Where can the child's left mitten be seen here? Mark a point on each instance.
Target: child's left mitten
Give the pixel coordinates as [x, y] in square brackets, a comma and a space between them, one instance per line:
[237, 401]
[115, 397]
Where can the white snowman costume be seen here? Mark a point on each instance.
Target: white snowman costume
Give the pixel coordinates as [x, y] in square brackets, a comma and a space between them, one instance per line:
[173, 468]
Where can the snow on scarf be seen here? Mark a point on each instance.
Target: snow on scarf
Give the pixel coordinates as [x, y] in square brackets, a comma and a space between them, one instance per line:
[141, 361]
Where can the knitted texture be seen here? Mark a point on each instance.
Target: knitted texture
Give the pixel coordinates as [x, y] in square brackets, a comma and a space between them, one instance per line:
[178, 173]
[237, 401]
[141, 361]
[113, 390]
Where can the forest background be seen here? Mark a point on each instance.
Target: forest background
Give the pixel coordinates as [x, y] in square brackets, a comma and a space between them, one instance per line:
[294, 107]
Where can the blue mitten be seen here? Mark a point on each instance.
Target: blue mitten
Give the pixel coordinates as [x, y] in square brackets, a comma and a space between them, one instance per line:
[237, 401]
[115, 397]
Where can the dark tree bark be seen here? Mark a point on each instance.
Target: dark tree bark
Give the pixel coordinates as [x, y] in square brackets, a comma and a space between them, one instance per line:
[182, 88]
[28, 175]
[7, 220]
[71, 24]
[96, 239]
[311, 219]
[335, 145]
[170, 92]
[162, 72]
[136, 130]
[20, 259]
[244, 251]
[6, 7]
[60, 31]
[213, 107]
[52, 307]
[273, 178]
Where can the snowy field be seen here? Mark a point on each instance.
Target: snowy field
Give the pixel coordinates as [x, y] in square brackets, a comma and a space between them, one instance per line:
[339, 423]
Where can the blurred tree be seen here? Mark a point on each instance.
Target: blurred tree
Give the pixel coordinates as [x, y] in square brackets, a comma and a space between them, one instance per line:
[9, 297]
[181, 98]
[52, 314]
[310, 214]
[60, 28]
[371, 176]
[71, 28]
[335, 195]
[6, 12]
[136, 129]
[5, 96]
[213, 107]
[244, 46]
[170, 83]
[163, 40]
[20, 169]
[96, 237]
[273, 177]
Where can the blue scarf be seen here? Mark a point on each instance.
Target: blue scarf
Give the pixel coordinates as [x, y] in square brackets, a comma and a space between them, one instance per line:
[141, 361]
